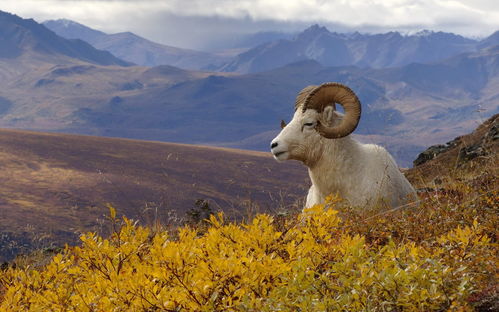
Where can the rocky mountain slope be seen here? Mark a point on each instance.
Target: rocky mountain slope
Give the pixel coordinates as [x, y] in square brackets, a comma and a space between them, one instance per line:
[479, 148]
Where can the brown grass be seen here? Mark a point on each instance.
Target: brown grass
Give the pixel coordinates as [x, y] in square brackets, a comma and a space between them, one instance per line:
[60, 184]
[451, 164]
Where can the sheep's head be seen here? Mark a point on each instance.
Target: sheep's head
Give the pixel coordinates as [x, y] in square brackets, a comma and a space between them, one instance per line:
[315, 120]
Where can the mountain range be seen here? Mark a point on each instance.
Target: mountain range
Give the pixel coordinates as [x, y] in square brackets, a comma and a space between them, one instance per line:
[135, 49]
[390, 49]
[268, 50]
[406, 107]
[22, 37]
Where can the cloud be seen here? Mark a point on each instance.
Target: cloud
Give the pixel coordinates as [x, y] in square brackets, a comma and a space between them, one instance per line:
[193, 23]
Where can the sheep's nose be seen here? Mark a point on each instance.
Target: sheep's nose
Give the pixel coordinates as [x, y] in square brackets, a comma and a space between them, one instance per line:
[273, 145]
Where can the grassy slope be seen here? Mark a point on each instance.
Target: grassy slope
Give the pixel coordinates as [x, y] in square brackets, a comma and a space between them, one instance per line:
[61, 183]
[455, 225]
[454, 162]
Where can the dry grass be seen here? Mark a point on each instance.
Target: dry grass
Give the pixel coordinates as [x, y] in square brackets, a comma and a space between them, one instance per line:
[60, 184]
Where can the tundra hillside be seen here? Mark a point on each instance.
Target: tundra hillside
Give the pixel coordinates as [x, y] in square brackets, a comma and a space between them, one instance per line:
[441, 255]
[55, 186]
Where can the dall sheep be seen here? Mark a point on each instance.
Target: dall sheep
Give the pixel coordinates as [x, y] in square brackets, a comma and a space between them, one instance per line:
[365, 175]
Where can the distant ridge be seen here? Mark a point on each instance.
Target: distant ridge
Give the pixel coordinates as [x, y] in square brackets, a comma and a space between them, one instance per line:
[72, 30]
[490, 41]
[19, 36]
[135, 49]
[365, 50]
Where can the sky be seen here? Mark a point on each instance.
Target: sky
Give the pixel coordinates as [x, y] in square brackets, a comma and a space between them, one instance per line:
[203, 24]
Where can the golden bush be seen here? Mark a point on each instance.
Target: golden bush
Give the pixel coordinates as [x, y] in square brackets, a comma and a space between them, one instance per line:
[315, 261]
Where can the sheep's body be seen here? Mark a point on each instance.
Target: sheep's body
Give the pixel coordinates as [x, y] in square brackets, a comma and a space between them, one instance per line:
[365, 175]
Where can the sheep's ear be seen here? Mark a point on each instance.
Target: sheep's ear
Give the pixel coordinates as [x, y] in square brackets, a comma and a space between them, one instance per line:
[328, 115]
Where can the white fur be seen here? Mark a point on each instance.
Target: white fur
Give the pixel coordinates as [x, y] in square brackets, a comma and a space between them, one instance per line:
[364, 175]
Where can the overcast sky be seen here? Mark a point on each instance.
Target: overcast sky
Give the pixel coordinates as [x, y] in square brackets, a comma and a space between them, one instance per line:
[196, 23]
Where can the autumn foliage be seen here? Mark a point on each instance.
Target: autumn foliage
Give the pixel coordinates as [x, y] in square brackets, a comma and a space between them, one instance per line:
[440, 255]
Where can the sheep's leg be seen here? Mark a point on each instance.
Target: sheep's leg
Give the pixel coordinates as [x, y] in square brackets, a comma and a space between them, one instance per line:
[313, 197]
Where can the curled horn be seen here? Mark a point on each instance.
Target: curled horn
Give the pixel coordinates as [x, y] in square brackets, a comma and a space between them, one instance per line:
[328, 94]
[283, 124]
[303, 95]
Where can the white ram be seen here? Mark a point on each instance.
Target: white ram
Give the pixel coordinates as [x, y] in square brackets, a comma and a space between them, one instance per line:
[365, 175]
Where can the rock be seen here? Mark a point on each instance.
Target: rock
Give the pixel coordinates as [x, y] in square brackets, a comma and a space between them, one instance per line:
[493, 133]
[429, 154]
[433, 151]
[471, 152]
[480, 143]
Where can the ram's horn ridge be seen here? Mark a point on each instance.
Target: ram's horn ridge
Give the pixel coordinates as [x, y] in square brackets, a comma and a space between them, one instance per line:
[300, 98]
[328, 94]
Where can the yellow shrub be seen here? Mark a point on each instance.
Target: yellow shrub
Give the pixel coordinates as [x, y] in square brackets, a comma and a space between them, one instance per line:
[313, 263]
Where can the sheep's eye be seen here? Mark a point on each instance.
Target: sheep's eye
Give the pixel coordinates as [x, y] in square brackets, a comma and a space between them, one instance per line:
[308, 124]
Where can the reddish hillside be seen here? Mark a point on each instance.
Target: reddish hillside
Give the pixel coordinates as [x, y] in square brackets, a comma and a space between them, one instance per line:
[60, 184]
